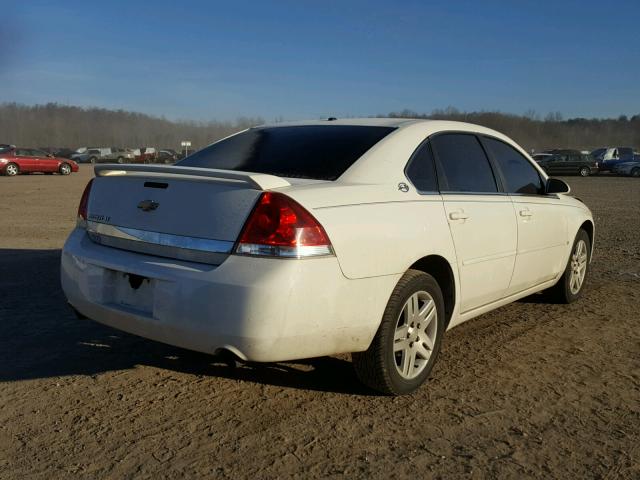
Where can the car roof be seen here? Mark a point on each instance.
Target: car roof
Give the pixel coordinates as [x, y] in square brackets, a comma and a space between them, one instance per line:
[369, 122]
[427, 125]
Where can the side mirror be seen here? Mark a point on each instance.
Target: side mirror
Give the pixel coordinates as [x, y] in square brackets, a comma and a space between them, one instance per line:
[555, 185]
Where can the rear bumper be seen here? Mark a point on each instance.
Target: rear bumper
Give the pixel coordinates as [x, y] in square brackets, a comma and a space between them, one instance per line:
[259, 308]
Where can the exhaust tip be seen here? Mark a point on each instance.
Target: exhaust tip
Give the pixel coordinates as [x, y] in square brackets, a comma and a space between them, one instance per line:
[229, 356]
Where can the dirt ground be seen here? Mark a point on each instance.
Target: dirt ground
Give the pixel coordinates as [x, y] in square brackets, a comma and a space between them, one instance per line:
[530, 390]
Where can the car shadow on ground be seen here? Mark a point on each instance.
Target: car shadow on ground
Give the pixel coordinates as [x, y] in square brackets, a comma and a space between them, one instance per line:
[41, 337]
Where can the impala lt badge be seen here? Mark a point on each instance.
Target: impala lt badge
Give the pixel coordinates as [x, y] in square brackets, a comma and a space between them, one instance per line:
[148, 205]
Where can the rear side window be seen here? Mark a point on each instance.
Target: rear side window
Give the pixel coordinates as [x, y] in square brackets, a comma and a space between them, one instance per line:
[321, 152]
[625, 153]
[520, 176]
[421, 170]
[462, 164]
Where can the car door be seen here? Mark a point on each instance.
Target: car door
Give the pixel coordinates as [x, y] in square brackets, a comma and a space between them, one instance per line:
[551, 165]
[481, 219]
[26, 162]
[573, 164]
[542, 226]
[43, 162]
[559, 165]
[625, 154]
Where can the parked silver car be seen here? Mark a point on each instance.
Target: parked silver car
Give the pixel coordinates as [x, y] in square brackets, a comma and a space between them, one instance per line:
[104, 155]
[117, 155]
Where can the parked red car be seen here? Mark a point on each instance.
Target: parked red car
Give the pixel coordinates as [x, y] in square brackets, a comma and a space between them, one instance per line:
[145, 155]
[28, 160]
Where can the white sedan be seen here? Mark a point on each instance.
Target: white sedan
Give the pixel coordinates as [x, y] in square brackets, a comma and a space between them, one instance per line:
[370, 236]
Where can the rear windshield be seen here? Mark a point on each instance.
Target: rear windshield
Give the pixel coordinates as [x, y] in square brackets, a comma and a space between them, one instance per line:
[321, 152]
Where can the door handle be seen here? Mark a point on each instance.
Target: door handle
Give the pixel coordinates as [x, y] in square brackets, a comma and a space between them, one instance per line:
[526, 213]
[458, 215]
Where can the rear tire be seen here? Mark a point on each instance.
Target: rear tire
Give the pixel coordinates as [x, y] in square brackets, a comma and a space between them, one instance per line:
[398, 360]
[585, 172]
[65, 169]
[120, 160]
[11, 170]
[571, 284]
[92, 160]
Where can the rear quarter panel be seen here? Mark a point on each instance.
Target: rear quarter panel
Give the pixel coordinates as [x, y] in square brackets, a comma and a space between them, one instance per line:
[377, 230]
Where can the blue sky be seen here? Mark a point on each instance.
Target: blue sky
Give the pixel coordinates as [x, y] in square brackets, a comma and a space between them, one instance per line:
[302, 59]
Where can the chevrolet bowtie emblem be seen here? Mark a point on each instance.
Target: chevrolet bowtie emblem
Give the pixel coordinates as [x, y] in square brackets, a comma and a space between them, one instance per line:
[148, 205]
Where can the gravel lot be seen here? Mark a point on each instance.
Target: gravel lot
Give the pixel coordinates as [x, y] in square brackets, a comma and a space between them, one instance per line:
[532, 389]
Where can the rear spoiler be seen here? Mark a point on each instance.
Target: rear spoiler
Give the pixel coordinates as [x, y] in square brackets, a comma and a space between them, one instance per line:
[259, 181]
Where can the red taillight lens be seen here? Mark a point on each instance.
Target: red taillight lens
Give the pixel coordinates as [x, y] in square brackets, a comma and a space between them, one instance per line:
[82, 207]
[278, 226]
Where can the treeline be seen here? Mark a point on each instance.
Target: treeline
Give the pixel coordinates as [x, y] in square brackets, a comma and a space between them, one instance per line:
[55, 125]
[533, 132]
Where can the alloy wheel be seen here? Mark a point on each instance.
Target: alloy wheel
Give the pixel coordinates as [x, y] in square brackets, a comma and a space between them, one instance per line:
[579, 259]
[415, 334]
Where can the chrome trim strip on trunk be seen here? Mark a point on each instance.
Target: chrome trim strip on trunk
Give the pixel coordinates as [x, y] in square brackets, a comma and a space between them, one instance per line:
[181, 247]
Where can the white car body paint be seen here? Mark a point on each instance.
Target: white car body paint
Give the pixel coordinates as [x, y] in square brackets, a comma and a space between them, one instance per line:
[499, 247]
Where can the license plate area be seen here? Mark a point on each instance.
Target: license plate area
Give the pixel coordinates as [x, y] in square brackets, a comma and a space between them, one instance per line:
[130, 291]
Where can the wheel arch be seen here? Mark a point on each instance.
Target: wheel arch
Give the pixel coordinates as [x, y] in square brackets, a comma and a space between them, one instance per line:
[440, 269]
[588, 227]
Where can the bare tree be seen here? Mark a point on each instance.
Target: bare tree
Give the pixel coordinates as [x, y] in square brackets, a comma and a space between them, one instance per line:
[54, 125]
[552, 132]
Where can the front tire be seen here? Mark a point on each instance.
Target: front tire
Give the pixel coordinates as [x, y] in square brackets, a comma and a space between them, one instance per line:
[65, 169]
[408, 340]
[11, 170]
[585, 172]
[571, 284]
[120, 160]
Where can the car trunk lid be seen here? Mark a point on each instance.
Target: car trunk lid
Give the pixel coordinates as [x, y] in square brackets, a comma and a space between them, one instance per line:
[191, 214]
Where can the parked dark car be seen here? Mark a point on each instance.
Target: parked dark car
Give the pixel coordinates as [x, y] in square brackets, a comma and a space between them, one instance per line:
[92, 155]
[630, 169]
[167, 155]
[63, 152]
[567, 162]
[59, 152]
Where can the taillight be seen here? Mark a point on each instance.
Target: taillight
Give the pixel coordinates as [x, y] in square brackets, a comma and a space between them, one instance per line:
[278, 226]
[82, 207]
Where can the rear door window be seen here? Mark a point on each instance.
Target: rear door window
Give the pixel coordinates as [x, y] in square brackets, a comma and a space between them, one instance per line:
[322, 152]
[462, 164]
[519, 174]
